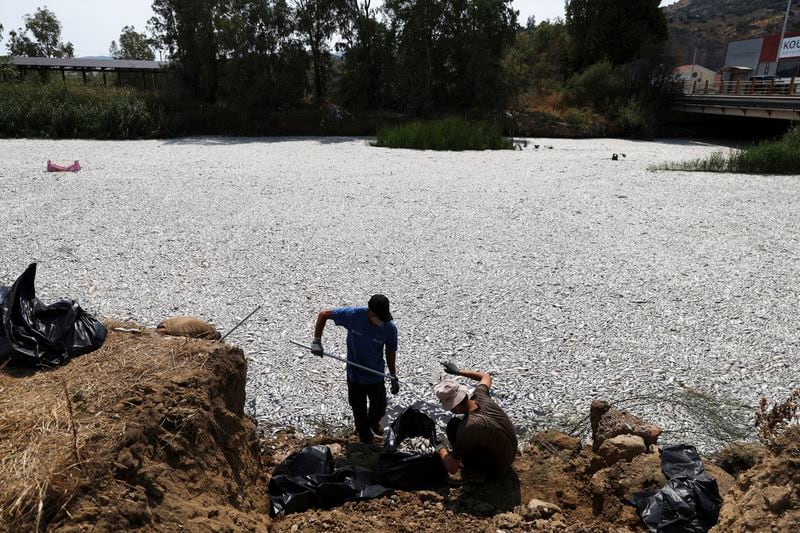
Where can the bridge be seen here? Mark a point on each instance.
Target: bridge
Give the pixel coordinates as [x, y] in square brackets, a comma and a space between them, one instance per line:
[767, 99]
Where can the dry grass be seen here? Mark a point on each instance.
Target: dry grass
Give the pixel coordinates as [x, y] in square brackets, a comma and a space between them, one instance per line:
[56, 424]
[771, 422]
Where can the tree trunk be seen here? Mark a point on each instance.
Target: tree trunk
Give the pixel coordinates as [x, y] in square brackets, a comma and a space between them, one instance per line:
[315, 51]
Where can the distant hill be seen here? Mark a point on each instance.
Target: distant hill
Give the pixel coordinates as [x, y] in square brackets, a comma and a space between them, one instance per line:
[709, 25]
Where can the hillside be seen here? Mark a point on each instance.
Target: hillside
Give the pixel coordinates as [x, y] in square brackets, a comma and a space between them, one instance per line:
[709, 25]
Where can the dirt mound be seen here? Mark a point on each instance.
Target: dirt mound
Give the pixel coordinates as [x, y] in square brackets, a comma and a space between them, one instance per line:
[146, 431]
[767, 496]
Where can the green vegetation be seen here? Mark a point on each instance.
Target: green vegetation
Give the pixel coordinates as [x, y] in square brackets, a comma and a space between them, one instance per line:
[454, 134]
[250, 68]
[57, 111]
[781, 156]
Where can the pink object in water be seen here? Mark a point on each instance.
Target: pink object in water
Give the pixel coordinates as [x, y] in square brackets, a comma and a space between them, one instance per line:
[55, 167]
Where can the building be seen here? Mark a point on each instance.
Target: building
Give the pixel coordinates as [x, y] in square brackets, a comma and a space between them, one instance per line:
[690, 73]
[761, 57]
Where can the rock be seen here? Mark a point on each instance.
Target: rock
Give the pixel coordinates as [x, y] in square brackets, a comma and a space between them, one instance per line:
[508, 520]
[560, 440]
[541, 509]
[429, 496]
[777, 499]
[596, 464]
[621, 480]
[336, 449]
[621, 448]
[608, 422]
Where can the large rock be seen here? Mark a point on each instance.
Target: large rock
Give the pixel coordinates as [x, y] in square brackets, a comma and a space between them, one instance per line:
[621, 448]
[608, 423]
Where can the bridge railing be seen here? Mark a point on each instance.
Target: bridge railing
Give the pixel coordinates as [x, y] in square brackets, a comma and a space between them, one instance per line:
[779, 87]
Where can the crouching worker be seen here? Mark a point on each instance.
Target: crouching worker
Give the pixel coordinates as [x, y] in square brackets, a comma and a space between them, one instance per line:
[484, 441]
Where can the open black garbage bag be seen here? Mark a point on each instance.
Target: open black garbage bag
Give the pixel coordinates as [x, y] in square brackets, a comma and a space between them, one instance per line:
[690, 501]
[33, 334]
[308, 479]
[410, 471]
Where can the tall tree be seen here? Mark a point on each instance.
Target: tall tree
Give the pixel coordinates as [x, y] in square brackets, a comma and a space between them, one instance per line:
[616, 30]
[132, 45]
[419, 29]
[450, 51]
[315, 21]
[186, 30]
[44, 39]
[368, 60]
[479, 34]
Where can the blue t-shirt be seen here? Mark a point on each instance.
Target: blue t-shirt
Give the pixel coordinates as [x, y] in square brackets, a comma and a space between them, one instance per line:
[365, 343]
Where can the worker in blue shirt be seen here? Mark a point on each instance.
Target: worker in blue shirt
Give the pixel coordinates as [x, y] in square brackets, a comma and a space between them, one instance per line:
[370, 330]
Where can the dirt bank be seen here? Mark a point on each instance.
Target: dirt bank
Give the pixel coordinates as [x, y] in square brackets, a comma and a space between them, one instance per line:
[149, 432]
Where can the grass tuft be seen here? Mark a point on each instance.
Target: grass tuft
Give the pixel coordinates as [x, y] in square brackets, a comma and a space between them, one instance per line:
[453, 134]
[781, 156]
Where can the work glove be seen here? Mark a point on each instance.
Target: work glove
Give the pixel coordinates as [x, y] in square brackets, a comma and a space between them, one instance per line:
[395, 385]
[316, 347]
[451, 368]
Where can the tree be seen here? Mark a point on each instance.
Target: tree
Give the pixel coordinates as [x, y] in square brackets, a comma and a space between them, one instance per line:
[479, 32]
[44, 39]
[132, 45]
[450, 52]
[315, 21]
[616, 30]
[187, 30]
[368, 61]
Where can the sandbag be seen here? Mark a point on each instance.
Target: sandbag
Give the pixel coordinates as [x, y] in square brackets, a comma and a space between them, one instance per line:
[33, 334]
[308, 479]
[188, 326]
[690, 501]
[410, 471]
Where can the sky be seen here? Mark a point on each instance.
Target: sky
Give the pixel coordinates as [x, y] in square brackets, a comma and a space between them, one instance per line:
[91, 25]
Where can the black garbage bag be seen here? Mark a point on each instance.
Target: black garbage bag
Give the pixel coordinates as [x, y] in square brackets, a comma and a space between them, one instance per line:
[35, 334]
[690, 501]
[410, 471]
[308, 479]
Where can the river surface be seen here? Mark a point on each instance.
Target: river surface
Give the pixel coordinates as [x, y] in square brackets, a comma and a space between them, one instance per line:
[568, 275]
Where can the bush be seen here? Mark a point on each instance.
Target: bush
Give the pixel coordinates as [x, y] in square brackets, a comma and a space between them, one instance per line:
[599, 86]
[57, 111]
[635, 120]
[780, 156]
[447, 134]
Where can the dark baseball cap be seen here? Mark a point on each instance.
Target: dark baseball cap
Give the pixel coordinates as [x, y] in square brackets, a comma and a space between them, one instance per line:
[379, 304]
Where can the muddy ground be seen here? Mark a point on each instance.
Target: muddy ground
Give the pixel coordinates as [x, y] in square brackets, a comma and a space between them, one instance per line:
[149, 432]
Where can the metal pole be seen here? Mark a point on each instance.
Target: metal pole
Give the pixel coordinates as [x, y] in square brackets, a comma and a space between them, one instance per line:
[240, 323]
[783, 32]
[343, 360]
